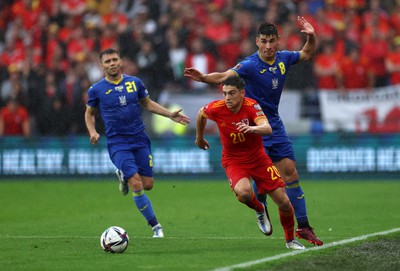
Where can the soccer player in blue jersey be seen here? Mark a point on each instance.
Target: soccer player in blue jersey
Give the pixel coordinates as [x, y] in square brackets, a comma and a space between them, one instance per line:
[264, 73]
[118, 97]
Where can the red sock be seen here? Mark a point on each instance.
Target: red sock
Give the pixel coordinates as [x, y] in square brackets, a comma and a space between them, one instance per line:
[254, 203]
[287, 221]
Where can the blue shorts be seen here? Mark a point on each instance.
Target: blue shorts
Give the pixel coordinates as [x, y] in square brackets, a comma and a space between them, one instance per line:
[278, 145]
[132, 158]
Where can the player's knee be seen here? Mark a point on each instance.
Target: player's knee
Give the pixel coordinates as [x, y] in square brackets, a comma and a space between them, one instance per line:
[148, 186]
[243, 194]
[135, 183]
[148, 183]
[290, 176]
[284, 204]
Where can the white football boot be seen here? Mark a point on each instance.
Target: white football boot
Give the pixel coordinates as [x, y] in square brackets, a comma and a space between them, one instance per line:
[264, 224]
[158, 231]
[294, 245]
[123, 185]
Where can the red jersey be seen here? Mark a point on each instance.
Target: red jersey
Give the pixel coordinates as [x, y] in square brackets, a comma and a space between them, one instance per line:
[13, 120]
[355, 73]
[326, 62]
[236, 146]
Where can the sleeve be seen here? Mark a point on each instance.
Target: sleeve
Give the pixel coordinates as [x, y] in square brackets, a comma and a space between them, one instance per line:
[258, 113]
[208, 111]
[92, 99]
[292, 56]
[142, 90]
[244, 69]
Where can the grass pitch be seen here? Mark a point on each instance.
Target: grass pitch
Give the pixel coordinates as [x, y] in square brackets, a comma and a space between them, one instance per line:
[56, 225]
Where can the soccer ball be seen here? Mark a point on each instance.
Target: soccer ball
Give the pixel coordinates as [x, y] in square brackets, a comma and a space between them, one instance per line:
[114, 240]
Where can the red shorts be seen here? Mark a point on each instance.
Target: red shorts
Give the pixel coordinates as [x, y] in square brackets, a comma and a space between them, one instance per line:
[264, 174]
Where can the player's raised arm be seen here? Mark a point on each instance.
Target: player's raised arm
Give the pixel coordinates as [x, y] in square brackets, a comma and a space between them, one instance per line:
[310, 47]
[209, 78]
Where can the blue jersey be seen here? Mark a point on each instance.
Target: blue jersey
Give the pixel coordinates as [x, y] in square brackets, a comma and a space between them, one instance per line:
[118, 103]
[264, 83]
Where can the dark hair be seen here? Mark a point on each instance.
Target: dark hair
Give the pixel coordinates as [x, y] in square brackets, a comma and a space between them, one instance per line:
[267, 29]
[235, 81]
[108, 51]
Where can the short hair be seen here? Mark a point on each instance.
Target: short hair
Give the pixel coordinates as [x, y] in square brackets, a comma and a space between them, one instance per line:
[235, 81]
[108, 51]
[267, 29]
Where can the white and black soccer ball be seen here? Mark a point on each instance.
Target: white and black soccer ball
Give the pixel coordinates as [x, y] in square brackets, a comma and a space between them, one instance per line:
[114, 240]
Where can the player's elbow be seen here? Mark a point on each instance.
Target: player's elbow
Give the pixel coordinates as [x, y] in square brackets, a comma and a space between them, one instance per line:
[307, 54]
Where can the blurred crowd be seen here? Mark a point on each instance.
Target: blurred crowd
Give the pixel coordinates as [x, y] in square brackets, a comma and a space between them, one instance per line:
[49, 49]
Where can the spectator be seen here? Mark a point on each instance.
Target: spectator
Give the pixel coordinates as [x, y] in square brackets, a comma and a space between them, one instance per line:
[354, 72]
[58, 118]
[80, 45]
[247, 47]
[376, 15]
[326, 20]
[352, 26]
[14, 119]
[375, 49]
[326, 66]
[395, 18]
[177, 55]
[14, 86]
[78, 126]
[201, 60]
[217, 27]
[147, 61]
[114, 20]
[48, 91]
[74, 8]
[36, 93]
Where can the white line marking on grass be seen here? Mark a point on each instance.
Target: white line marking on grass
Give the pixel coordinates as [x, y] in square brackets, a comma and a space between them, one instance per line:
[293, 253]
[44, 237]
[135, 237]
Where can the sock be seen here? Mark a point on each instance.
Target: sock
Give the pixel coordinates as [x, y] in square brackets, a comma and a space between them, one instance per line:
[253, 203]
[261, 198]
[296, 196]
[287, 222]
[144, 205]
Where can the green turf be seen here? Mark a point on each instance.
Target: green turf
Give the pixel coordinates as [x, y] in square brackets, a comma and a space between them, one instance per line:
[57, 225]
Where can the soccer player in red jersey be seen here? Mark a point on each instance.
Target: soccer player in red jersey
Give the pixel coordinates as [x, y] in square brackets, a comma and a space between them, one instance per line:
[264, 73]
[241, 123]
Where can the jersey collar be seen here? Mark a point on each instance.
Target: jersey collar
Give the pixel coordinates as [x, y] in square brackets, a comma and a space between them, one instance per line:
[268, 62]
[116, 82]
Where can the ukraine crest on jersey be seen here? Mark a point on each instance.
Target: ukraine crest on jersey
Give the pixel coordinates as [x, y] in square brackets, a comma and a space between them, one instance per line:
[118, 103]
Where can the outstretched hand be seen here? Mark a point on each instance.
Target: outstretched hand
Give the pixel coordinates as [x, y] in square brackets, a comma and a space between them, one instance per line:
[193, 74]
[306, 27]
[179, 118]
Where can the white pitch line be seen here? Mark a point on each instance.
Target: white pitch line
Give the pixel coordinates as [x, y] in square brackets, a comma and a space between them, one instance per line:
[135, 237]
[293, 253]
